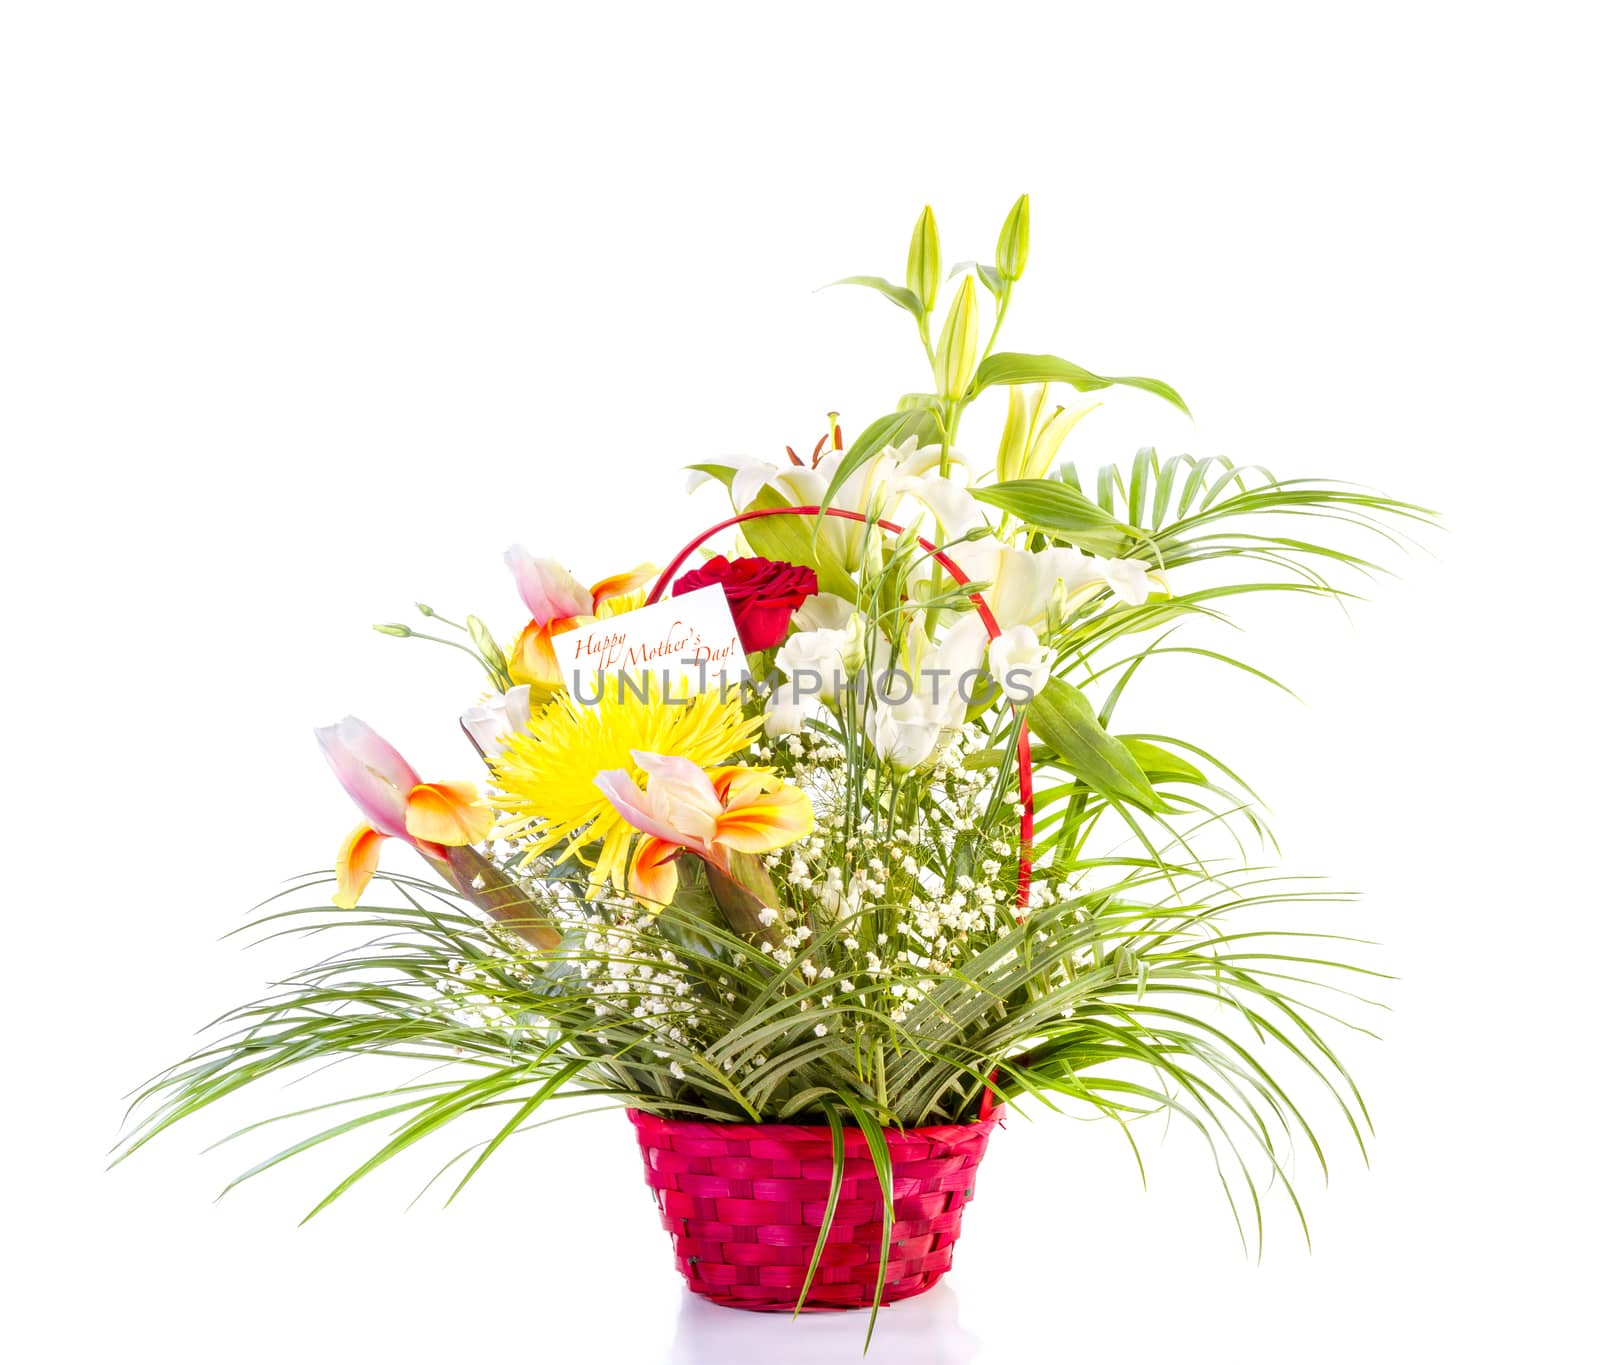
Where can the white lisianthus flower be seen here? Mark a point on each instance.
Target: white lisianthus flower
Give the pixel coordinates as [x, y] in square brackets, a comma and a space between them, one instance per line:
[1020, 664]
[786, 714]
[493, 721]
[821, 663]
[904, 736]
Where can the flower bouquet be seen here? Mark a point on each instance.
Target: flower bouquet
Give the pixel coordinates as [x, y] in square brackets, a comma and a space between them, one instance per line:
[813, 846]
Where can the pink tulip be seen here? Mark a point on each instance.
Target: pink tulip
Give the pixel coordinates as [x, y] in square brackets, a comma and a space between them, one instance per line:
[430, 816]
[711, 814]
[548, 591]
[371, 770]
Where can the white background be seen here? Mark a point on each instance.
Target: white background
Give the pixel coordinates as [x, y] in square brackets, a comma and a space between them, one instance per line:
[309, 310]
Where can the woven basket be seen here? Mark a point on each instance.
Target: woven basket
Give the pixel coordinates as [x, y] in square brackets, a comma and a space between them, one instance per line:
[744, 1204]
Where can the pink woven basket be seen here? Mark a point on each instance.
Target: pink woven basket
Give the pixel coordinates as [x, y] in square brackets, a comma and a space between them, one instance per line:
[745, 1203]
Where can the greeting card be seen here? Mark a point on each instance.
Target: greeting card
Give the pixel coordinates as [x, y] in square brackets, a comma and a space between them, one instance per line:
[691, 636]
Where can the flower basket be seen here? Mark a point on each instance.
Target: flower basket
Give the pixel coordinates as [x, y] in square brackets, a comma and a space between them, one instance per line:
[746, 1204]
[809, 857]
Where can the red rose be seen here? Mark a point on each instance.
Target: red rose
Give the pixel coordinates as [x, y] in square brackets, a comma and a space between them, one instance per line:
[762, 592]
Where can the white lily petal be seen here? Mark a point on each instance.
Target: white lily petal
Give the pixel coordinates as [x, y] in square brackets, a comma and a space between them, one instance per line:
[1130, 580]
[749, 481]
[1020, 664]
[824, 611]
[956, 509]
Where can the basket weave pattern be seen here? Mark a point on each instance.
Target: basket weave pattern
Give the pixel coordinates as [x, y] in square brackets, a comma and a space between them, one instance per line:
[744, 1204]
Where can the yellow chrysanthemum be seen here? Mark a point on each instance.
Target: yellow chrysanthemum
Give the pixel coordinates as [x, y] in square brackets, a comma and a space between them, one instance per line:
[622, 603]
[544, 777]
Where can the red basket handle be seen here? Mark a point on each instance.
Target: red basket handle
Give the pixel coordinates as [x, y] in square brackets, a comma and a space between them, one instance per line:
[1024, 748]
[990, 1105]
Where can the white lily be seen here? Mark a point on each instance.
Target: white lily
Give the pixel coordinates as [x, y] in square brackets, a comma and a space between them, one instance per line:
[1023, 582]
[1032, 438]
[1131, 580]
[1020, 664]
[897, 483]
[925, 694]
[916, 476]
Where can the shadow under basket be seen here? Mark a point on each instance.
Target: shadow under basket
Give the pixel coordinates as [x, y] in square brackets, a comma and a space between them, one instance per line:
[744, 1203]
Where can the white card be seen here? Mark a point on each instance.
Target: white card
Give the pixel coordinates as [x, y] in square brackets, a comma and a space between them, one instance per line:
[692, 636]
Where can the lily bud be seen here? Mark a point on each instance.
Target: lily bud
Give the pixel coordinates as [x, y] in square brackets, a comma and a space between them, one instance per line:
[1011, 251]
[490, 651]
[853, 650]
[922, 261]
[957, 356]
[1030, 441]
[1056, 610]
[1047, 438]
[1021, 408]
[398, 631]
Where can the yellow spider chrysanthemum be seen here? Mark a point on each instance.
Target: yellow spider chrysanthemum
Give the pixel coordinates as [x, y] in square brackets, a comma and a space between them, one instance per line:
[544, 777]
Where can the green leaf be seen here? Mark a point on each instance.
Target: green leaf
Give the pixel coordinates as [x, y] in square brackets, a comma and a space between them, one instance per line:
[895, 293]
[835, 1185]
[1062, 511]
[1013, 367]
[1063, 718]
[742, 893]
[988, 274]
[1161, 764]
[722, 473]
[883, 1164]
[793, 540]
[888, 430]
[522, 1114]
